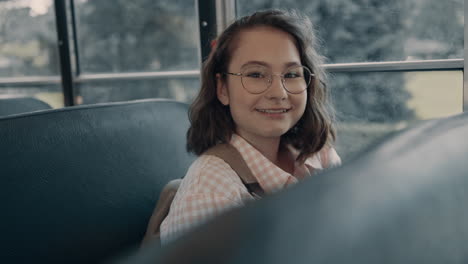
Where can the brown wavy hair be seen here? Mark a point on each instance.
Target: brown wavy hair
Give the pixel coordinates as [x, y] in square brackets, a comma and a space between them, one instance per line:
[211, 121]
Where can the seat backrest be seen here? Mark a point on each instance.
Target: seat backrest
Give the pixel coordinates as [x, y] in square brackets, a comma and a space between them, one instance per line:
[11, 106]
[404, 201]
[79, 184]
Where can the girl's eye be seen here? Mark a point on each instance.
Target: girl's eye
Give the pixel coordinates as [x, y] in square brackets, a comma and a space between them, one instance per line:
[292, 75]
[255, 75]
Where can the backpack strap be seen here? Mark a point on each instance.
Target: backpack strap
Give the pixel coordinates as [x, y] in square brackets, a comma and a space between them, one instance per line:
[231, 156]
[153, 231]
[226, 152]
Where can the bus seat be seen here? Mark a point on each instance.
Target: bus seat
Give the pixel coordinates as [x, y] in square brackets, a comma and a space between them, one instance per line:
[11, 106]
[79, 184]
[404, 201]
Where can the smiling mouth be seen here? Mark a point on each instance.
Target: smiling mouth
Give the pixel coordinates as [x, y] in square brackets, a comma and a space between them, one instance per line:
[273, 111]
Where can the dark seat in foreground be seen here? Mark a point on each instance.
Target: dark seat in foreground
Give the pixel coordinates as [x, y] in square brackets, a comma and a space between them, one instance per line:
[10, 106]
[79, 184]
[405, 201]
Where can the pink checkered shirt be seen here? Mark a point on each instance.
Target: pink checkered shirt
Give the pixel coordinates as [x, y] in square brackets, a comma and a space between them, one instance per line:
[211, 186]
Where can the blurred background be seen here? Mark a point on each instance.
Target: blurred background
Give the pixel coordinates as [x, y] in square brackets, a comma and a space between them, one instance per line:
[391, 63]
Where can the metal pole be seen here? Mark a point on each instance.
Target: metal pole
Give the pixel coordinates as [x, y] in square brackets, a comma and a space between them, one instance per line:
[75, 38]
[465, 74]
[64, 52]
[207, 25]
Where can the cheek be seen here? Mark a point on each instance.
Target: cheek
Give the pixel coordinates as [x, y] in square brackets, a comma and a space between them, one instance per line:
[241, 107]
[237, 104]
[241, 100]
[301, 103]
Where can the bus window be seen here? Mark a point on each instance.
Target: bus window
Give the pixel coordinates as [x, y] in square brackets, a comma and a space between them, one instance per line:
[29, 64]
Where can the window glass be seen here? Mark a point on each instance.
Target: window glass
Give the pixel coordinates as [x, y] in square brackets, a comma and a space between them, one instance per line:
[28, 38]
[369, 106]
[369, 31]
[137, 35]
[182, 89]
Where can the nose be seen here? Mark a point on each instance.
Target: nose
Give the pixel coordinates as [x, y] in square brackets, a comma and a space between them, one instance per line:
[276, 89]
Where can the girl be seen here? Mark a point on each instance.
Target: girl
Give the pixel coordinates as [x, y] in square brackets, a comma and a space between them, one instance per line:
[263, 92]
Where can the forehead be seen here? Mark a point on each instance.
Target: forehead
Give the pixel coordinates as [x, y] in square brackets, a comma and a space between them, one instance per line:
[270, 45]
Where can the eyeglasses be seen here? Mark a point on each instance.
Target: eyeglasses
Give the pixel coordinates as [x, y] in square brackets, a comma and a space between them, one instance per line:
[256, 79]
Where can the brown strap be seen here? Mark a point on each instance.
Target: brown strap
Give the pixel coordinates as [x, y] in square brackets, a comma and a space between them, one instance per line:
[161, 210]
[254, 189]
[231, 156]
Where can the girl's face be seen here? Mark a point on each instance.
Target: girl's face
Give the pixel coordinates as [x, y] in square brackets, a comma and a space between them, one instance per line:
[273, 112]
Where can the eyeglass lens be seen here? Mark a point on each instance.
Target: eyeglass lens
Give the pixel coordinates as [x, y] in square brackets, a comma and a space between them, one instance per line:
[257, 79]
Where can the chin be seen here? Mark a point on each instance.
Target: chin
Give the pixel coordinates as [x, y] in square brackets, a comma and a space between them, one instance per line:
[275, 132]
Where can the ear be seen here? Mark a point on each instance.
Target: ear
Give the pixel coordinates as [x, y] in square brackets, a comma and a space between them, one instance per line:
[221, 90]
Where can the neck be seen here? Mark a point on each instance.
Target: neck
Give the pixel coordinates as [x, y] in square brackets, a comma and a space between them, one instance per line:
[269, 147]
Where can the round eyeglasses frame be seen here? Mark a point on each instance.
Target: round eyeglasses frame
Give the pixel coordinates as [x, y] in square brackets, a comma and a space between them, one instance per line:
[270, 80]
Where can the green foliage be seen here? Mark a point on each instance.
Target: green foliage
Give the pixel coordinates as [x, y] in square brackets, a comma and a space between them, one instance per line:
[144, 35]
[28, 46]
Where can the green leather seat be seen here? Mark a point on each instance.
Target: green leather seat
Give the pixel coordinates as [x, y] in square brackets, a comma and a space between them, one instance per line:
[10, 106]
[79, 184]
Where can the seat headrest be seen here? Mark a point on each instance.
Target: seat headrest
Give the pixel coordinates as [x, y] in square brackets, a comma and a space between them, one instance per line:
[10, 106]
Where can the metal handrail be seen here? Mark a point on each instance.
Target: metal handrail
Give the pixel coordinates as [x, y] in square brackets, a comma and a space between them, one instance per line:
[428, 65]
[419, 65]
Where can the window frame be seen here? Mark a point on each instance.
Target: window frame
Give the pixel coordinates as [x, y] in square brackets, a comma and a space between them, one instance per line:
[213, 16]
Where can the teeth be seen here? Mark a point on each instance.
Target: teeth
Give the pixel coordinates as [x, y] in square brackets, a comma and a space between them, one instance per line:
[273, 111]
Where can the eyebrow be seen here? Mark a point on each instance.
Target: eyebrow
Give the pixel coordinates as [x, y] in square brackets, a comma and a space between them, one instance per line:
[286, 65]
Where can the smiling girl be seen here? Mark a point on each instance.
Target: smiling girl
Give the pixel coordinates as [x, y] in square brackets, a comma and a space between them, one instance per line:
[263, 91]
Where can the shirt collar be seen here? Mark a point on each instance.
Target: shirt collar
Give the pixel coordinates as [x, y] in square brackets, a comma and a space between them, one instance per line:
[314, 163]
[270, 177]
